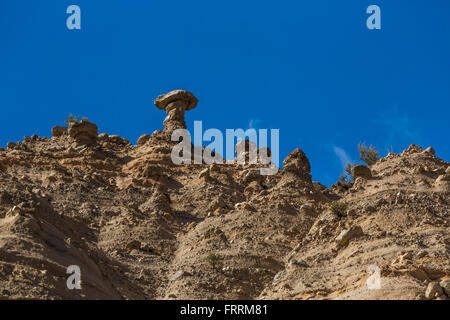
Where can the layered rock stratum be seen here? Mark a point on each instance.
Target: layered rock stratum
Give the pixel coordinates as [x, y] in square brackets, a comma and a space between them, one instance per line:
[141, 227]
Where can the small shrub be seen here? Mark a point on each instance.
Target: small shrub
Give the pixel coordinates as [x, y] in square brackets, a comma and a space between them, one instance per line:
[338, 208]
[348, 171]
[347, 176]
[215, 260]
[370, 155]
[73, 119]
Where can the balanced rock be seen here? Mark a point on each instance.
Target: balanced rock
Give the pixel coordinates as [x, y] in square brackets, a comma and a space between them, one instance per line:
[175, 103]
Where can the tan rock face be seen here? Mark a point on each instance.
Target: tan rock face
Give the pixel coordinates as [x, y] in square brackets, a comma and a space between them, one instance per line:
[140, 227]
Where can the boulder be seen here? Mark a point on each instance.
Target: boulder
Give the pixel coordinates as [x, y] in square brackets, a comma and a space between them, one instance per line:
[433, 291]
[83, 131]
[297, 163]
[298, 263]
[279, 276]
[218, 205]
[346, 235]
[133, 245]
[444, 177]
[152, 171]
[308, 210]
[143, 139]
[445, 285]
[252, 175]
[361, 171]
[179, 274]
[214, 168]
[117, 139]
[204, 174]
[59, 131]
[429, 151]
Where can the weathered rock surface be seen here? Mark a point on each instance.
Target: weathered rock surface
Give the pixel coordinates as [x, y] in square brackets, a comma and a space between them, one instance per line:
[141, 227]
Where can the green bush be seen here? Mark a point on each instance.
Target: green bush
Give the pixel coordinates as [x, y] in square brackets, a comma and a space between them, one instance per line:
[347, 176]
[370, 155]
[338, 208]
[215, 260]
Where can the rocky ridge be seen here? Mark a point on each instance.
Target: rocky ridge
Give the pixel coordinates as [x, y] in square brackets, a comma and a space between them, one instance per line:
[141, 227]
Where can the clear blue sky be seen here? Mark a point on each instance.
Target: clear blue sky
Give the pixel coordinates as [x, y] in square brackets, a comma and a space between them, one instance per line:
[309, 68]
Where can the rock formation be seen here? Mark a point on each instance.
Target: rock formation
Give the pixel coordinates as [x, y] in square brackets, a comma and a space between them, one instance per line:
[140, 227]
[176, 103]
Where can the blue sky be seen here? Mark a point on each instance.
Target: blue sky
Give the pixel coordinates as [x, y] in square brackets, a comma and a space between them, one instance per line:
[309, 68]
